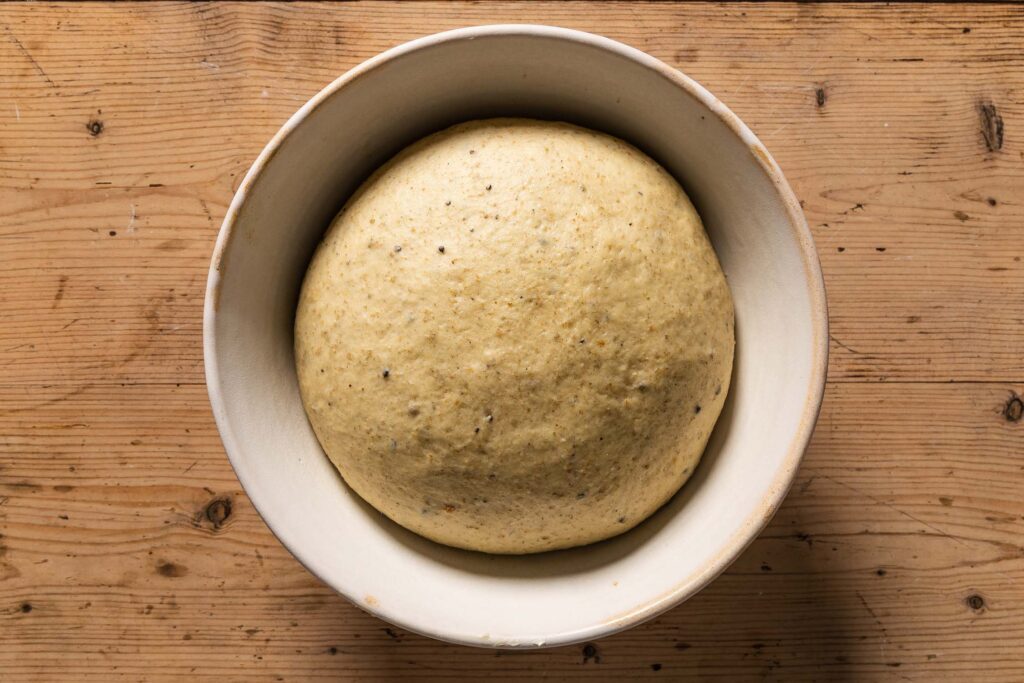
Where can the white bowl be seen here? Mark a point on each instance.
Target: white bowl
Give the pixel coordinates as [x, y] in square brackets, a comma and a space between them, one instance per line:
[301, 180]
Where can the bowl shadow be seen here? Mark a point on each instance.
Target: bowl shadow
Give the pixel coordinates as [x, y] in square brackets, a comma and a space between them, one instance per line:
[779, 612]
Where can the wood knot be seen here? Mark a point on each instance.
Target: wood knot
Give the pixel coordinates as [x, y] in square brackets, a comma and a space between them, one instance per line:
[171, 570]
[991, 126]
[1014, 408]
[590, 654]
[975, 602]
[218, 511]
[95, 127]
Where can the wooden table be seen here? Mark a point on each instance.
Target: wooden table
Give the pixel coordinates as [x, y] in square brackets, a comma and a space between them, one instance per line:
[129, 551]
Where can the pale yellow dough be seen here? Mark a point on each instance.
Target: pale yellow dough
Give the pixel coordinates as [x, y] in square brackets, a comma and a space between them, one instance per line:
[515, 337]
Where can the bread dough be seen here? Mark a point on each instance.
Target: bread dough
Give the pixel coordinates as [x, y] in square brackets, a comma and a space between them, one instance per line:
[515, 337]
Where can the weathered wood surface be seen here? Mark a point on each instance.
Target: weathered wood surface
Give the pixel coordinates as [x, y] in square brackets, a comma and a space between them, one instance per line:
[126, 544]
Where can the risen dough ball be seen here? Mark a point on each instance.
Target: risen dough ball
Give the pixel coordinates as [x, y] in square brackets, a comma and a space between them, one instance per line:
[515, 337]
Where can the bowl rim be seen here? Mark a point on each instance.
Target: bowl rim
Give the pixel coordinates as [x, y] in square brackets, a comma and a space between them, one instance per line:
[776, 490]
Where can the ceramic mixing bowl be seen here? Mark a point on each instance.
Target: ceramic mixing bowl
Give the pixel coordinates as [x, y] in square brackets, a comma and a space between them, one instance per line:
[301, 180]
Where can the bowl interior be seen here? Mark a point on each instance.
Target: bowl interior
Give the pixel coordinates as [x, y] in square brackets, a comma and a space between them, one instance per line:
[301, 181]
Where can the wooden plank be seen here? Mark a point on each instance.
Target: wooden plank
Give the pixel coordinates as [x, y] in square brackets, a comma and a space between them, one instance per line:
[125, 532]
[894, 158]
[127, 548]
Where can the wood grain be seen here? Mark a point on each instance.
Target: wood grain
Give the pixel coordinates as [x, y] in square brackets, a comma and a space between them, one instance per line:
[128, 550]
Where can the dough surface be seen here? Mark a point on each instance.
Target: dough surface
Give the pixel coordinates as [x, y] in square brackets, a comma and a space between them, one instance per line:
[515, 337]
